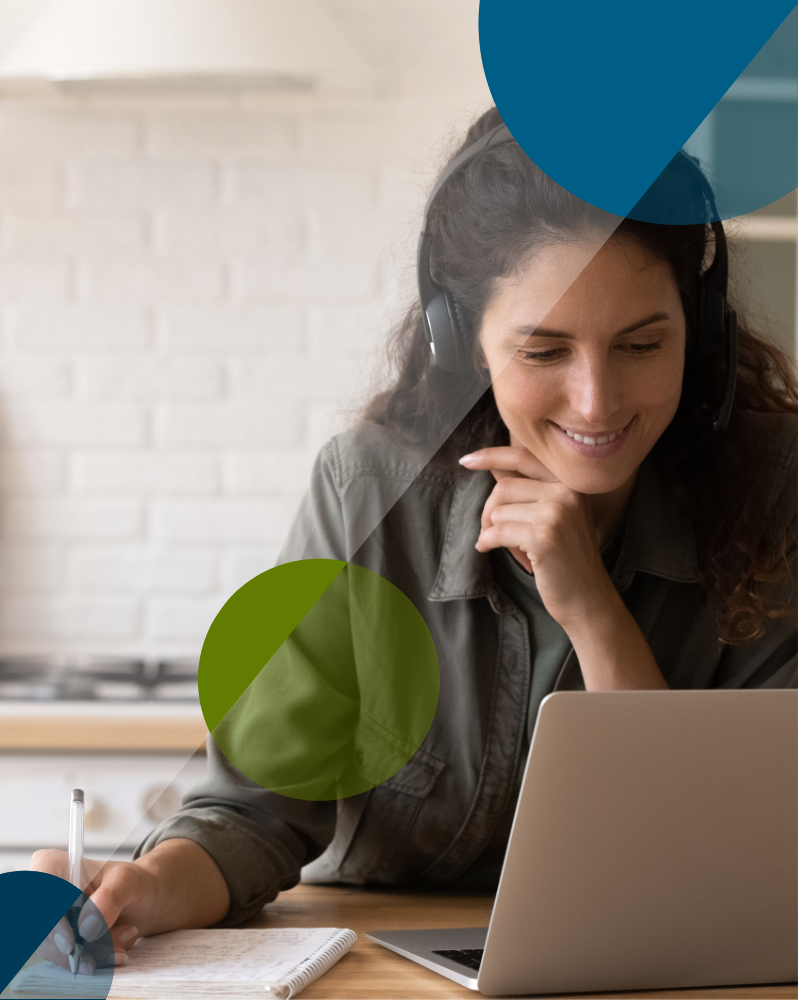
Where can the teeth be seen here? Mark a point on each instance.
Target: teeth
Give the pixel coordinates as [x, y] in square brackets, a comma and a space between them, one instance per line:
[591, 440]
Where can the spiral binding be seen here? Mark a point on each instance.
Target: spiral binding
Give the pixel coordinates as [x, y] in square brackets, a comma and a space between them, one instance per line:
[319, 961]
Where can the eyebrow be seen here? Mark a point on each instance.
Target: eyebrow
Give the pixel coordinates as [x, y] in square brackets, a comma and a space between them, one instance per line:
[540, 331]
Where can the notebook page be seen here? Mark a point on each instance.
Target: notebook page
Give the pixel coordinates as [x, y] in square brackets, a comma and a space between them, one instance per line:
[47, 980]
[226, 955]
[198, 963]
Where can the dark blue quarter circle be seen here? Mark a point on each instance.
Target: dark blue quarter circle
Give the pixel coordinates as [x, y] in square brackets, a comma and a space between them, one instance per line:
[31, 904]
[603, 96]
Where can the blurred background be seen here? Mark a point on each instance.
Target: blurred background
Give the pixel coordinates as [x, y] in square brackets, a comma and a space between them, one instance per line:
[204, 239]
[191, 285]
[200, 254]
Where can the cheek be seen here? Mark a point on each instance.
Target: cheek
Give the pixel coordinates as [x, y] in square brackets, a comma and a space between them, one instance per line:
[522, 400]
[659, 392]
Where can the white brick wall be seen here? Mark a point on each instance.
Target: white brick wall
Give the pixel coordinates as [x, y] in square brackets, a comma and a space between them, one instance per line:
[191, 291]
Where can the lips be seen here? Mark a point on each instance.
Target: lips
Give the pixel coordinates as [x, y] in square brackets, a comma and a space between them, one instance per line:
[593, 440]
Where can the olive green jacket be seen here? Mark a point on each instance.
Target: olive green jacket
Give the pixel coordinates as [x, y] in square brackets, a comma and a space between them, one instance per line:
[386, 508]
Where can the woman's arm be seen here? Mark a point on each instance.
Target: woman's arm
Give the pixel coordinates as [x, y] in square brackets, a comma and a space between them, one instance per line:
[613, 652]
[550, 530]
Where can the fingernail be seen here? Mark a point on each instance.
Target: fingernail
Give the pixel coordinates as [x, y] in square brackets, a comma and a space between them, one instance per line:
[86, 968]
[466, 459]
[62, 944]
[129, 934]
[91, 928]
[121, 958]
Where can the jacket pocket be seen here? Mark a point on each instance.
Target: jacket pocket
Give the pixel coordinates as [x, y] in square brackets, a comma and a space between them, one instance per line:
[382, 848]
[418, 775]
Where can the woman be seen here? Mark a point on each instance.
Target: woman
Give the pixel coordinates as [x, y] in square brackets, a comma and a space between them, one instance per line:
[563, 514]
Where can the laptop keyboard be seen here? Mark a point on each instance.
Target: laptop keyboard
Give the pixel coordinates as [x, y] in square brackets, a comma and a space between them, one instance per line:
[471, 957]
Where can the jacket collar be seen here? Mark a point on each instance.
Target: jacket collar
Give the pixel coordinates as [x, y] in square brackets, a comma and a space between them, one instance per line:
[657, 540]
[462, 571]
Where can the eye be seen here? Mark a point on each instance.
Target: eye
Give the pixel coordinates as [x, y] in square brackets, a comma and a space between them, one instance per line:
[550, 355]
[641, 348]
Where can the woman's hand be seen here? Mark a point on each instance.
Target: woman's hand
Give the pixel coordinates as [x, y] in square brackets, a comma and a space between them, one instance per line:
[549, 528]
[175, 885]
[121, 895]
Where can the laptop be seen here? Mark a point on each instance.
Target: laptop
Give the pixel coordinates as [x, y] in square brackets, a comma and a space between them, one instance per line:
[654, 846]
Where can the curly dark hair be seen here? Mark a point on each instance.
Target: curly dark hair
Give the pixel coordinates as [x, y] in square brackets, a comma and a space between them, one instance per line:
[488, 218]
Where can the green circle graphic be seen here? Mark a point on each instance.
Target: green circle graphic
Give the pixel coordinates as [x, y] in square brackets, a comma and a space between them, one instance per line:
[319, 679]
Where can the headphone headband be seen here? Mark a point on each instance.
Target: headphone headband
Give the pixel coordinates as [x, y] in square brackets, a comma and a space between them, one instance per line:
[497, 136]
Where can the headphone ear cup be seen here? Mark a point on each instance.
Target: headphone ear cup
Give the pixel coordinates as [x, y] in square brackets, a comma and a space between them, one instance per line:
[459, 318]
[444, 320]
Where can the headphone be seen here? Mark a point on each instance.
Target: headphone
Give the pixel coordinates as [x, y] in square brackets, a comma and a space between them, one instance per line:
[716, 324]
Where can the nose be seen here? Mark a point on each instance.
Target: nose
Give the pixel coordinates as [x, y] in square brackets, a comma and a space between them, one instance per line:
[595, 391]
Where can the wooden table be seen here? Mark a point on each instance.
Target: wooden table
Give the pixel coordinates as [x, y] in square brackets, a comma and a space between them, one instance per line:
[371, 972]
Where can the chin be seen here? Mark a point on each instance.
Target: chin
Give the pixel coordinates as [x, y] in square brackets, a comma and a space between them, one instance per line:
[594, 485]
[593, 480]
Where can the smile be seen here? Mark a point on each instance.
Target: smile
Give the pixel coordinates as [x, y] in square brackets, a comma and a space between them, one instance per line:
[599, 440]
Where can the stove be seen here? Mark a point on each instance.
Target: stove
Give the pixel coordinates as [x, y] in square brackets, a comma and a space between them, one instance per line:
[98, 678]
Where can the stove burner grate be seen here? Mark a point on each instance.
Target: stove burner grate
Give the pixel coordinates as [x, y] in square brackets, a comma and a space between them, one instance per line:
[97, 678]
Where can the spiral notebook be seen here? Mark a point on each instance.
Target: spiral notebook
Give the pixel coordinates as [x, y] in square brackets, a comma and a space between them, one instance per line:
[270, 963]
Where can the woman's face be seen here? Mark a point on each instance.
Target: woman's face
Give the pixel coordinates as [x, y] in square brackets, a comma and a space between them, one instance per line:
[598, 357]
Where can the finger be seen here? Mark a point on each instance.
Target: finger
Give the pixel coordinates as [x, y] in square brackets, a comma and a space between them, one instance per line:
[62, 936]
[52, 951]
[97, 871]
[512, 492]
[523, 513]
[523, 559]
[91, 922]
[87, 965]
[51, 861]
[105, 953]
[58, 944]
[507, 474]
[107, 901]
[507, 535]
[48, 951]
[124, 936]
[111, 959]
[511, 458]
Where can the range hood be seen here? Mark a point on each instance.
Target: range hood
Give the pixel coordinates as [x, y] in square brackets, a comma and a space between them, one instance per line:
[270, 44]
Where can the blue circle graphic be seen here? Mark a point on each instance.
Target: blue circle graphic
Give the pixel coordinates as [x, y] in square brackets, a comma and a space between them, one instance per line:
[32, 904]
[603, 96]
